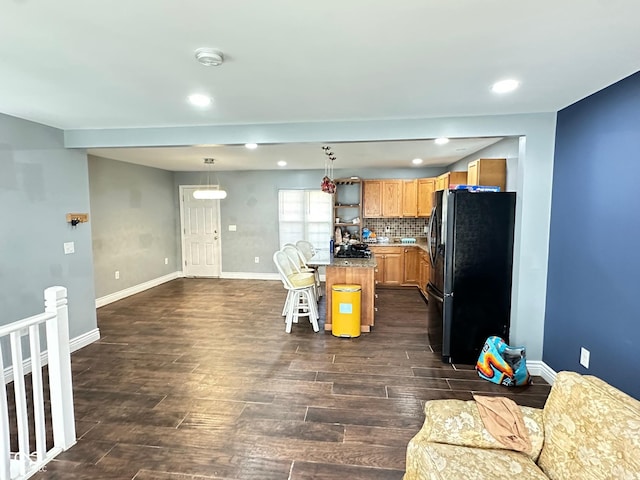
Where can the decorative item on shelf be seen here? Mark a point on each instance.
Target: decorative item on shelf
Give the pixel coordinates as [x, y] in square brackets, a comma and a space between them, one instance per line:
[328, 185]
[208, 192]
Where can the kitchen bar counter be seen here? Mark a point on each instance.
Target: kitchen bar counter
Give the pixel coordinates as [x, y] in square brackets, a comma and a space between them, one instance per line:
[358, 271]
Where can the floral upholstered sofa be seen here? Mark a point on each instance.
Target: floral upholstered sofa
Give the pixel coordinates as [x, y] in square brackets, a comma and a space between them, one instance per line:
[587, 430]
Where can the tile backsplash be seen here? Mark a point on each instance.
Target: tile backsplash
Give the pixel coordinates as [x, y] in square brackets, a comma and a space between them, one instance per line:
[398, 227]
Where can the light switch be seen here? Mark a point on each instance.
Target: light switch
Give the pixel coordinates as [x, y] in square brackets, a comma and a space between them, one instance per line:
[232, 228]
[69, 247]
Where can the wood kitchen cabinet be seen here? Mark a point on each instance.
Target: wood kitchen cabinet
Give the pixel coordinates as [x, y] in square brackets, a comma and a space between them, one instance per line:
[450, 178]
[425, 189]
[488, 171]
[410, 198]
[382, 198]
[392, 198]
[390, 265]
[411, 275]
[372, 198]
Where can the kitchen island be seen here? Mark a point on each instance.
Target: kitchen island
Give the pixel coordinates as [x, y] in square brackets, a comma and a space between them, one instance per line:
[358, 271]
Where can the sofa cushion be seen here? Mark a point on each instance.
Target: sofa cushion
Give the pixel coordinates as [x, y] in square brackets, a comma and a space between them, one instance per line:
[592, 431]
[458, 422]
[439, 461]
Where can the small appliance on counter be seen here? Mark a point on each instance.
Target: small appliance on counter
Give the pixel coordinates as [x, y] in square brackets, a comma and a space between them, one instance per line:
[352, 250]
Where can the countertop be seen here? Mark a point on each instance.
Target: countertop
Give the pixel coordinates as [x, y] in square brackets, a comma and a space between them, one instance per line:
[323, 258]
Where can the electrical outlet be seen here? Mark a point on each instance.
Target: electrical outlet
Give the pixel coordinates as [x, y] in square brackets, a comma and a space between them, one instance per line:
[257, 259]
[387, 229]
[233, 228]
[584, 357]
[117, 275]
[166, 261]
[425, 229]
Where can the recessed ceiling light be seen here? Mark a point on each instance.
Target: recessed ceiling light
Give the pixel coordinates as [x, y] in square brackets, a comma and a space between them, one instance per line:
[441, 140]
[251, 146]
[505, 86]
[282, 163]
[199, 100]
[416, 161]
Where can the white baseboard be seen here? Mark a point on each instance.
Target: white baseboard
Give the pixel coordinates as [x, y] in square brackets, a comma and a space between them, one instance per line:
[127, 292]
[76, 343]
[83, 340]
[541, 369]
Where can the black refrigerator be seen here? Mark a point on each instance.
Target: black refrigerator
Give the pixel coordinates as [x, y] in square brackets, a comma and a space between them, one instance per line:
[470, 244]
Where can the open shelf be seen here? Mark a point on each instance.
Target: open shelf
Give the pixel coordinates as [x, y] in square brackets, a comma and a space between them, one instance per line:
[348, 205]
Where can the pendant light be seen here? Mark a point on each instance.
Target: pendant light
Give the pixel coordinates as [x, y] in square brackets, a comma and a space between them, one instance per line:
[209, 192]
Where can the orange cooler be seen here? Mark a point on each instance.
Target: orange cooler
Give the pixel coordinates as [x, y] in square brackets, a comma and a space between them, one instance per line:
[345, 310]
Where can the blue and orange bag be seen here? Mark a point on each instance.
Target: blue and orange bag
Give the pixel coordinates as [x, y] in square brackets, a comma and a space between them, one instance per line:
[502, 364]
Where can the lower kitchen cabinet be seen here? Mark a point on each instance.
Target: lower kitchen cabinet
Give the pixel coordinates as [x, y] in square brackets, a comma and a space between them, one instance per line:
[390, 269]
[411, 266]
[406, 266]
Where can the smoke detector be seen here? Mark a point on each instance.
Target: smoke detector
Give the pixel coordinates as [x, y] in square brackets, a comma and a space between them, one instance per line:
[209, 57]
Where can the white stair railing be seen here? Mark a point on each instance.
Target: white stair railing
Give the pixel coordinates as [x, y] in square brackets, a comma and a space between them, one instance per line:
[24, 462]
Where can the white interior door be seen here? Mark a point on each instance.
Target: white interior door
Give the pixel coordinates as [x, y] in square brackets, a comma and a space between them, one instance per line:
[200, 220]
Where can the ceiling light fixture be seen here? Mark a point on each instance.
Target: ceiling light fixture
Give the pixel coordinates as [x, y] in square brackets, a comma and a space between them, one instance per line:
[441, 141]
[416, 161]
[282, 163]
[199, 100]
[209, 193]
[505, 86]
[209, 57]
[251, 146]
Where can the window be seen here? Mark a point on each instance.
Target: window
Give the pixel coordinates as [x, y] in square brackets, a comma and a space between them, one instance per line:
[305, 215]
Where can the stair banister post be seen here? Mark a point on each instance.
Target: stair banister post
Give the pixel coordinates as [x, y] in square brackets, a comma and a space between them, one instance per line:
[62, 412]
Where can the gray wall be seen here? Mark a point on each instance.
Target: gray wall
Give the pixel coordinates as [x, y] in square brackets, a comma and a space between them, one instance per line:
[252, 205]
[507, 148]
[40, 182]
[133, 224]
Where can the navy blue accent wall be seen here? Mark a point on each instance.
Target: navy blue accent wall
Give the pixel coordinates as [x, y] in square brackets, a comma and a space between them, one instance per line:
[593, 289]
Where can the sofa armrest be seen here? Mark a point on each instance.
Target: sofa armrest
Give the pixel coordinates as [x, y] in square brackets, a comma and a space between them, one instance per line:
[457, 422]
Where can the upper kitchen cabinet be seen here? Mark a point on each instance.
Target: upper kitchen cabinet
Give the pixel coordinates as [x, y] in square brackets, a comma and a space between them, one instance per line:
[410, 198]
[417, 197]
[372, 198]
[347, 207]
[382, 198]
[426, 187]
[392, 198]
[450, 178]
[488, 171]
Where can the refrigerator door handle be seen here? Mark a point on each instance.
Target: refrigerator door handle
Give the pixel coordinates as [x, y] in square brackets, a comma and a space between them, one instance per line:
[432, 292]
[431, 248]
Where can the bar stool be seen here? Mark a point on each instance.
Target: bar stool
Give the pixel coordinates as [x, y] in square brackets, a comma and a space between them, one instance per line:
[300, 264]
[301, 299]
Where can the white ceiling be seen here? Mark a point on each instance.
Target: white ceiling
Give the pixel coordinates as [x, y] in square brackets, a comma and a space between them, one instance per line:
[301, 156]
[89, 64]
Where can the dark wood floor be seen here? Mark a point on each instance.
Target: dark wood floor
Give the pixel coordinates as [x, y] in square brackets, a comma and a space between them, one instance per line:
[197, 379]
